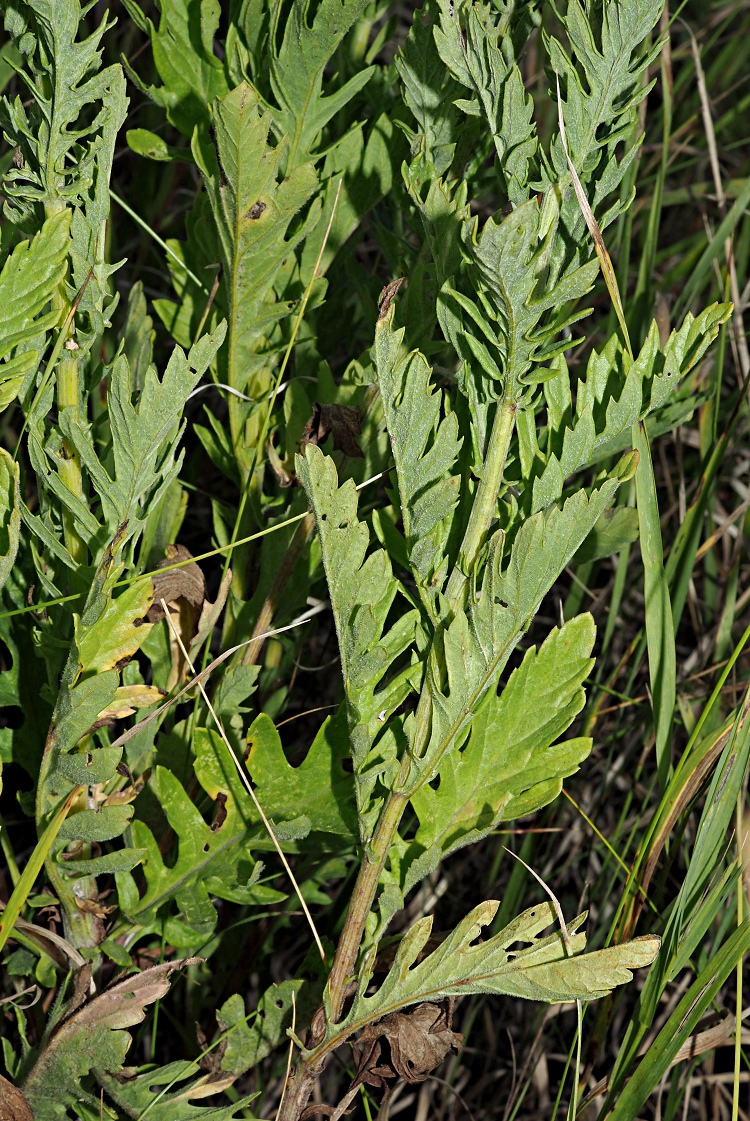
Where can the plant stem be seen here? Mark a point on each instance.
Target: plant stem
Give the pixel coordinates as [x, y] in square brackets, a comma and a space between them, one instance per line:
[68, 398]
[70, 463]
[362, 898]
[480, 519]
[485, 500]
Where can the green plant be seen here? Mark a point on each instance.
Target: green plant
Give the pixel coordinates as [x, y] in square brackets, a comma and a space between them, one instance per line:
[505, 460]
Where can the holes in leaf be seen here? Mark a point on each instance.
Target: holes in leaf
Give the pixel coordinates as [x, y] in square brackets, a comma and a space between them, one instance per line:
[206, 847]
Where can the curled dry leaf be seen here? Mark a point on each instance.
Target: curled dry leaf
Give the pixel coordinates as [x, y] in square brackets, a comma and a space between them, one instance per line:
[187, 583]
[183, 590]
[387, 296]
[343, 422]
[419, 1040]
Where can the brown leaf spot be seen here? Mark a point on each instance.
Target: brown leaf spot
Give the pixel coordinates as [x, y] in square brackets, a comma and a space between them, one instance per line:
[221, 811]
[256, 210]
[340, 421]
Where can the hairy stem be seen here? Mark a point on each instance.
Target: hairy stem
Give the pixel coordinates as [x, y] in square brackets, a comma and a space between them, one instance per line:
[373, 863]
[485, 501]
[68, 398]
[482, 513]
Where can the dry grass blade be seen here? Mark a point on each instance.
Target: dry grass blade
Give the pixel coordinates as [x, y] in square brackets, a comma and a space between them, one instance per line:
[198, 679]
[737, 327]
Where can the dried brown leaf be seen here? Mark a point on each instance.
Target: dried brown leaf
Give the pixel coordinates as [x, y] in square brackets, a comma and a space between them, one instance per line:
[340, 421]
[387, 296]
[186, 583]
[419, 1041]
[13, 1104]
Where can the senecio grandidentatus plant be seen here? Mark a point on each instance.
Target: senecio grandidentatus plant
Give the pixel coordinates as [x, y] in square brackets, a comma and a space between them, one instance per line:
[491, 496]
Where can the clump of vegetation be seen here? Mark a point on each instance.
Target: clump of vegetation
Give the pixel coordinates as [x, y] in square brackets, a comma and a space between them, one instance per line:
[343, 349]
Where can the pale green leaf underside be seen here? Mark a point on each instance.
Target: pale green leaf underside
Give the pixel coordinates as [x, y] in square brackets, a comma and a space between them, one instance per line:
[546, 969]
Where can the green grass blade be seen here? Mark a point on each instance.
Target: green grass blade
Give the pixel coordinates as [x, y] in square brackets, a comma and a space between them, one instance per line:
[680, 1026]
[659, 625]
[23, 888]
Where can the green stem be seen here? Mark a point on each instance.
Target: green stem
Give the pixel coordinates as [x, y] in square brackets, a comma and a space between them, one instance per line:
[485, 501]
[68, 398]
[482, 514]
[362, 899]
[69, 469]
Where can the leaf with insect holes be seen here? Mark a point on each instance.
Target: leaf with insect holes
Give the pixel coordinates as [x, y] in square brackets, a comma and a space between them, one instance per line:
[90, 1034]
[249, 1042]
[166, 1093]
[546, 969]
[511, 764]
[362, 591]
[214, 853]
